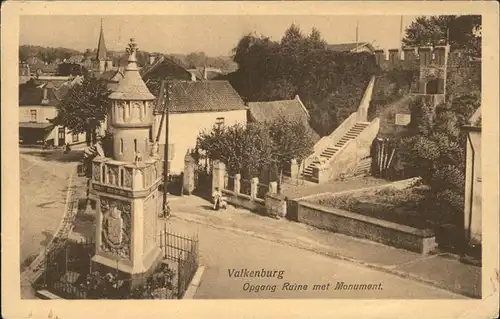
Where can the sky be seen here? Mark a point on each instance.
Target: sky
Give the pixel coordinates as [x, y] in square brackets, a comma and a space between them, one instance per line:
[214, 35]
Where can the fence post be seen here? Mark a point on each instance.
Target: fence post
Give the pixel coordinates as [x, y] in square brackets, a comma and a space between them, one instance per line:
[237, 183]
[254, 185]
[226, 181]
[179, 276]
[273, 187]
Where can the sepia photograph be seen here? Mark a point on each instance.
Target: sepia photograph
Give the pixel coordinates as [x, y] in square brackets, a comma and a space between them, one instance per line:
[211, 156]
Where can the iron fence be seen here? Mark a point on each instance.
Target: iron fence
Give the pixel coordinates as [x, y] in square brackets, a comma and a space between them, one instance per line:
[68, 272]
[184, 251]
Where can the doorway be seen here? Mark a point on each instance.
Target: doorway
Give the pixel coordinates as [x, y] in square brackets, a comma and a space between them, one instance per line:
[61, 136]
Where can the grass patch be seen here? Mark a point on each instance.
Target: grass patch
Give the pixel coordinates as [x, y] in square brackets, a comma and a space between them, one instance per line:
[406, 207]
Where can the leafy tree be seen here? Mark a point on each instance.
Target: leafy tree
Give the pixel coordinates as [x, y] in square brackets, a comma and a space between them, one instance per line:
[244, 150]
[437, 154]
[196, 59]
[291, 140]
[330, 83]
[462, 32]
[84, 108]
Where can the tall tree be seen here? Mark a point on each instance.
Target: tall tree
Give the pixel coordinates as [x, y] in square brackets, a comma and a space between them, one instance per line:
[437, 154]
[84, 108]
[461, 32]
[329, 83]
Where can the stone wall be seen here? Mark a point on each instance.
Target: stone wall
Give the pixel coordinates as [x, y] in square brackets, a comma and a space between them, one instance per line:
[356, 225]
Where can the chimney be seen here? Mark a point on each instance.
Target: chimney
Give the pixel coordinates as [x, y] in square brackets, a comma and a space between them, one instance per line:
[152, 58]
[45, 100]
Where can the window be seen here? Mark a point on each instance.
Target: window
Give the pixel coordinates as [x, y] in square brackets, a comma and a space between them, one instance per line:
[121, 146]
[75, 137]
[219, 122]
[33, 115]
[61, 133]
[135, 145]
[121, 177]
[151, 133]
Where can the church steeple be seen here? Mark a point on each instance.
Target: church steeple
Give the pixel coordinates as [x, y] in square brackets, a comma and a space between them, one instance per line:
[101, 46]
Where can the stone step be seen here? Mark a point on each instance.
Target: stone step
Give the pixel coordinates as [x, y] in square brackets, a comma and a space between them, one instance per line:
[327, 154]
[47, 295]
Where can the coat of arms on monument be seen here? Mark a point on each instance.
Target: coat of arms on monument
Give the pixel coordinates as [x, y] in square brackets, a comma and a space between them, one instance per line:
[116, 227]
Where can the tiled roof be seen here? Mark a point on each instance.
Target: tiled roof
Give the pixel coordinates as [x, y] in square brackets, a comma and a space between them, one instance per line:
[202, 96]
[289, 109]
[347, 47]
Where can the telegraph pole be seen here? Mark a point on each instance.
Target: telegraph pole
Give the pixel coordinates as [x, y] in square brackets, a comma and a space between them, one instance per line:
[357, 35]
[166, 104]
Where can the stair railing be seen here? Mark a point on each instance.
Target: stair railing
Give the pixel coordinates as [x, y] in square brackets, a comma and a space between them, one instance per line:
[331, 139]
[362, 112]
[368, 134]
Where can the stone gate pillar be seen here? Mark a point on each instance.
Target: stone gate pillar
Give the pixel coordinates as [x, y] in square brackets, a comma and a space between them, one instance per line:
[218, 173]
[188, 178]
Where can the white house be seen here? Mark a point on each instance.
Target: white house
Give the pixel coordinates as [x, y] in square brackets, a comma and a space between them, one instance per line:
[194, 107]
[473, 175]
[37, 104]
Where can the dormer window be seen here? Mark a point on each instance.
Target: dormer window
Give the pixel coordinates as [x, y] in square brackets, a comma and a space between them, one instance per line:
[219, 122]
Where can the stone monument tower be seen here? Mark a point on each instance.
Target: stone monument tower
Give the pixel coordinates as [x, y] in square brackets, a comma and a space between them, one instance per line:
[126, 185]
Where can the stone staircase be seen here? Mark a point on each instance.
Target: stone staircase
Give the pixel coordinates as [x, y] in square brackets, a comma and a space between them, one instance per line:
[364, 167]
[331, 150]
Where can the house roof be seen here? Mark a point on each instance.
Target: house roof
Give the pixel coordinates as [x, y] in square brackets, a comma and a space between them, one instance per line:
[202, 96]
[168, 64]
[348, 47]
[35, 125]
[33, 95]
[289, 109]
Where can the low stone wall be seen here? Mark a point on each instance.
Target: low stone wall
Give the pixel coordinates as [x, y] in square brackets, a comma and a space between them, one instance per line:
[357, 225]
[244, 201]
[275, 205]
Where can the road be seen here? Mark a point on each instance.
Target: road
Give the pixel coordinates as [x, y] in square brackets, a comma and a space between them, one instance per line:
[44, 183]
[223, 250]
